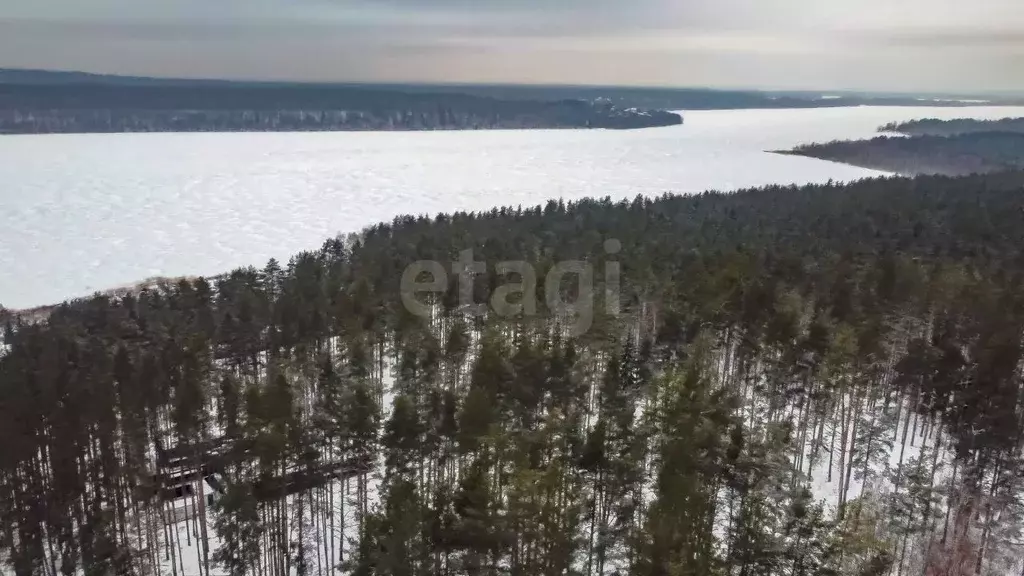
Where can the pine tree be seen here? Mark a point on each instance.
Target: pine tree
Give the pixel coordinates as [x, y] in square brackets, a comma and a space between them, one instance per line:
[240, 529]
[693, 422]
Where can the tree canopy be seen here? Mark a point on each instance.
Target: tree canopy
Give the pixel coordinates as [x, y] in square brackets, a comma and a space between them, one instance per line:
[820, 379]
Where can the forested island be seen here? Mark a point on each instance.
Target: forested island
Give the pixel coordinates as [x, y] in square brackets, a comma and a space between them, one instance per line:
[815, 380]
[935, 127]
[959, 154]
[229, 107]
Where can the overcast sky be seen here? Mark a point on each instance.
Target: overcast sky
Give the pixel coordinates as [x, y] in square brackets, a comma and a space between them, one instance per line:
[966, 46]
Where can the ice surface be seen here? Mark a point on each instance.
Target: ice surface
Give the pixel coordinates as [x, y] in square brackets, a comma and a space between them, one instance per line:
[80, 213]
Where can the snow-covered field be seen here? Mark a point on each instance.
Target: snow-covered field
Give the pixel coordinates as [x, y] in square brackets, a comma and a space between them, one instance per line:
[80, 213]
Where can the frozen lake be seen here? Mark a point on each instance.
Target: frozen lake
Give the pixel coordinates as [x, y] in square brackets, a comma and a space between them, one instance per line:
[80, 213]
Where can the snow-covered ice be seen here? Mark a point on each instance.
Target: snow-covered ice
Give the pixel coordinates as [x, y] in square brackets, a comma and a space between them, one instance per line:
[87, 212]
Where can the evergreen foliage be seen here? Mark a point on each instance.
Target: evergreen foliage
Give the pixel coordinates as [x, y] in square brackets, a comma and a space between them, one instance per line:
[815, 380]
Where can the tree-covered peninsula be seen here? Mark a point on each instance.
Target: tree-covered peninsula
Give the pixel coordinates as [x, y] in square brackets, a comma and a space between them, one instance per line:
[238, 107]
[815, 380]
[935, 127]
[958, 154]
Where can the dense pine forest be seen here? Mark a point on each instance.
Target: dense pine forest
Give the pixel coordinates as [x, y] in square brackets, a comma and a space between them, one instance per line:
[230, 107]
[956, 155]
[936, 127]
[816, 380]
[622, 97]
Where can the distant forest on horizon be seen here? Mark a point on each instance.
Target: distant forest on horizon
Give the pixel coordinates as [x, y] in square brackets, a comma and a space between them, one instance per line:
[87, 107]
[33, 101]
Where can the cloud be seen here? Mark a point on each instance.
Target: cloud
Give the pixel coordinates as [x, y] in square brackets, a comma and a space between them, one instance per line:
[868, 44]
[1009, 39]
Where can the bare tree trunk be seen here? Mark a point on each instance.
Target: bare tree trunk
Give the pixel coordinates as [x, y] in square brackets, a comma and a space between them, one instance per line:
[857, 403]
[205, 541]
[176, 536]
[315, 512]
[832, 443]
[951, 500]
[930, 527]
[341, 521]
[986, 529]
[903, 448]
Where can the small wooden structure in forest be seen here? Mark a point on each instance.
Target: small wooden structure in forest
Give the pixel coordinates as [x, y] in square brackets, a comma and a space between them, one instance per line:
[184, 498]
[180, 469]
[184, 474]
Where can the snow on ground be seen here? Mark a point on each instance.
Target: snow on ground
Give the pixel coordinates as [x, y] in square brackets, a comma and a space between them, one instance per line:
[189, 563]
